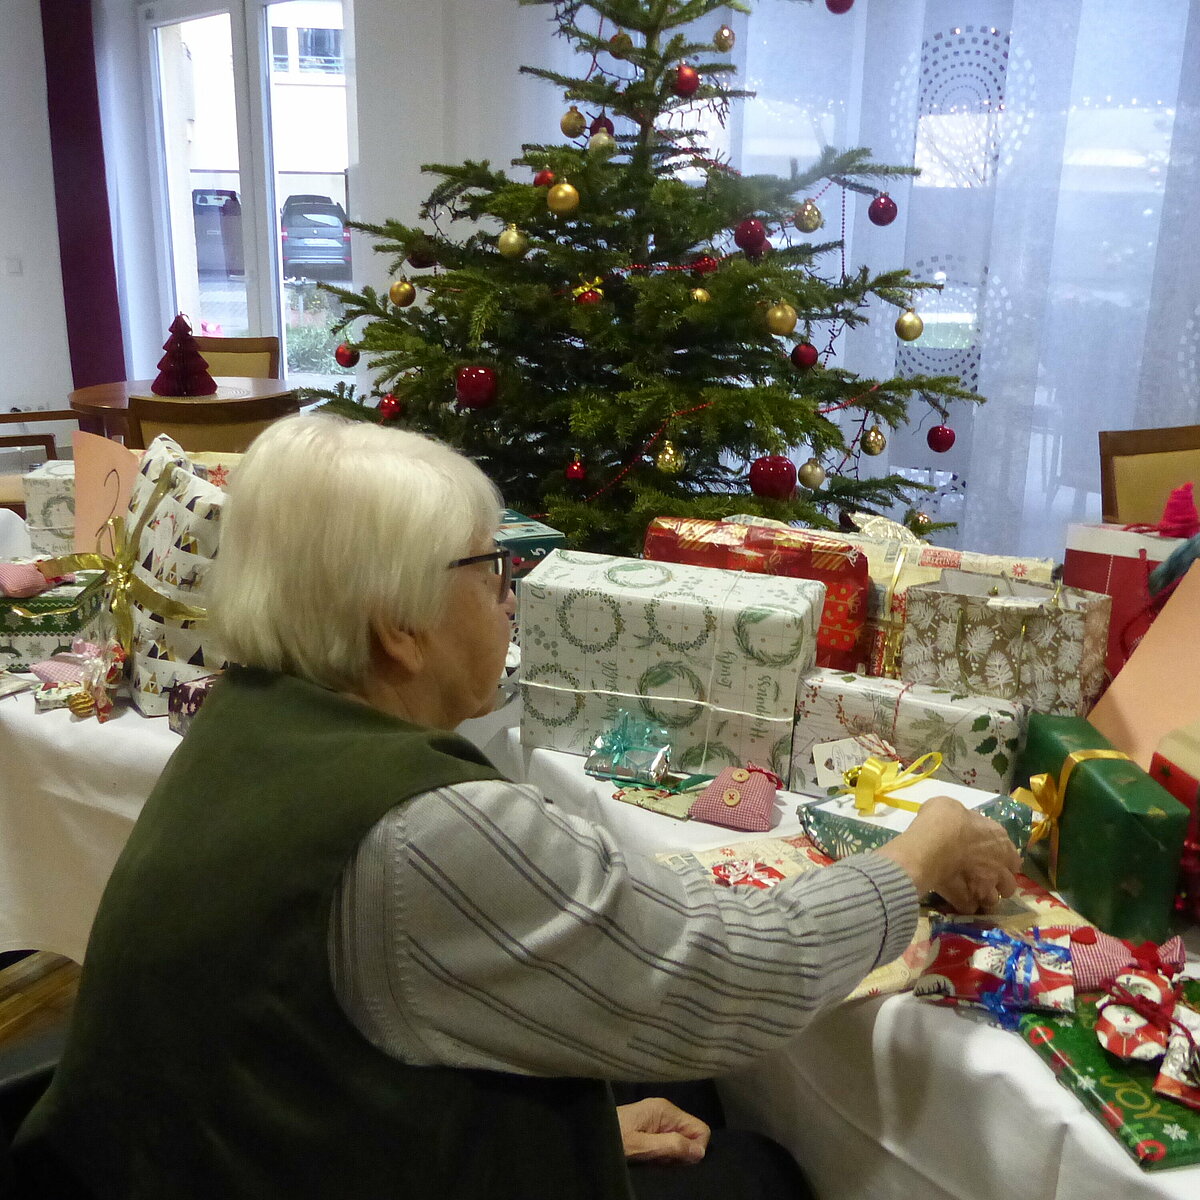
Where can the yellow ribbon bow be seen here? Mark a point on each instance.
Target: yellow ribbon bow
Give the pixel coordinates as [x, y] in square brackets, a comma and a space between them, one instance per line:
[874, 782]
[124, 588]
[1045, 795]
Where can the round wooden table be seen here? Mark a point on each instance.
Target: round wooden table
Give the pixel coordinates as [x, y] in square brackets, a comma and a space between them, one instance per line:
[102, 406]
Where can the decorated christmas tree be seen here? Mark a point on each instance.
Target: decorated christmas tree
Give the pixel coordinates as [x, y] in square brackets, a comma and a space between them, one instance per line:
[626, 327]
[182, 370]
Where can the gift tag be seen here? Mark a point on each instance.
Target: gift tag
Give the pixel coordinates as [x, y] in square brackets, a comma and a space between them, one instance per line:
[832, 760]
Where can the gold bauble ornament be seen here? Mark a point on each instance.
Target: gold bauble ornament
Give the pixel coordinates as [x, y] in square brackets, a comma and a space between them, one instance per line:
[781, 318]
[602, 143]
[512, 243]
[921, 522]
[811, 474]
[701, 295]
[562, 198]
[669, 460]
[81, 704]
[909, 326]
[620, 44]
[873, 441]
[808, 217]
[573, 122]
[402, 293]
[724, 39]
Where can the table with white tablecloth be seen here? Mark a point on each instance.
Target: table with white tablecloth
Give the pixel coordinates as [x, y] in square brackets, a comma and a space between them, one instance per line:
[884, 1099]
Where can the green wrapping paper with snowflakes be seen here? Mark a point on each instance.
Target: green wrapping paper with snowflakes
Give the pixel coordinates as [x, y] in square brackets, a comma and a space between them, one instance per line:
[1156, 1131]
[714, 656]
[978, 737]
[35, 628]
[1037, 644]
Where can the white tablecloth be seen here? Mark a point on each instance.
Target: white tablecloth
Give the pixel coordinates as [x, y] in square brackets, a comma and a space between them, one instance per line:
[880, 1100]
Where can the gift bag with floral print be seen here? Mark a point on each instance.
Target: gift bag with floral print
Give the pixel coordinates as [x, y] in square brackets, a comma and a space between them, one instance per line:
[1038, 644]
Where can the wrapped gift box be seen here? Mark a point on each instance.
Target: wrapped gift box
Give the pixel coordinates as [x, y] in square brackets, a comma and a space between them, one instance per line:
[49, 492]
[175, 550]
[978, 737]
[527, 540]
[1120, 835]
[1034, 643]
[185, 699]
[1176, 765]
[839, 829]
[1117, 561]
[214, 466]
[1155, 1131]
[36, 628]
[766, 550]
[715, 656]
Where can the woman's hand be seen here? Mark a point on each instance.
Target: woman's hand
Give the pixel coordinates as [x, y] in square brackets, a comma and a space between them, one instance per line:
[657, 1131]
[964, 857]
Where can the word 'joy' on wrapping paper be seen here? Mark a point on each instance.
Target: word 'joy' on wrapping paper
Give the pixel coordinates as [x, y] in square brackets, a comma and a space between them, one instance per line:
[713, 656]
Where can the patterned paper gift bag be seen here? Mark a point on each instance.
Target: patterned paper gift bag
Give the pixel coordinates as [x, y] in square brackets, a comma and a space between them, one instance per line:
[1038, 644]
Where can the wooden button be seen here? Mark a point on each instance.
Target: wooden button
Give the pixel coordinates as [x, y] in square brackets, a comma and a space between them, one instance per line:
[740, 775]
[732, 797]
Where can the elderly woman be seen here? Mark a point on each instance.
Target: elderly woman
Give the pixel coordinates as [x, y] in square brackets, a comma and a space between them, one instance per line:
[341, 956]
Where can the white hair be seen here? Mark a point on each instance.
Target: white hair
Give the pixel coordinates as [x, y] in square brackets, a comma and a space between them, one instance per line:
[331, 526]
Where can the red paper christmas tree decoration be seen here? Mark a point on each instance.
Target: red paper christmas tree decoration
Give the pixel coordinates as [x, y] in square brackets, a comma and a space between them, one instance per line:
[1180, 518]
[182, 370]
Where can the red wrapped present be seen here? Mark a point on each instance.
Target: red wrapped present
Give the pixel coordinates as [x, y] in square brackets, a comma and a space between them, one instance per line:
[1097, 958]
[1176, 765]
[796, 553]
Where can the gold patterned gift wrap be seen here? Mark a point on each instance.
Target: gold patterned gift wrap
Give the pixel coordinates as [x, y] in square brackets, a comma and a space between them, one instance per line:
[714, 656]
[1042, 645]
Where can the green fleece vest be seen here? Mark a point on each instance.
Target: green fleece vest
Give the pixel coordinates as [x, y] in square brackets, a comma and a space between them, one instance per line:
[209, 1058]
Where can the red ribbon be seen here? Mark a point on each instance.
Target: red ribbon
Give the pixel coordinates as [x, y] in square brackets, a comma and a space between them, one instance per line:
[1159, 1015]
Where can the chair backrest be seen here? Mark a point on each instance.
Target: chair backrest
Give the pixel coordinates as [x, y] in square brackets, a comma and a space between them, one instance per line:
[251, 357]
[201, 423]
[1139, 468]
[12, 495]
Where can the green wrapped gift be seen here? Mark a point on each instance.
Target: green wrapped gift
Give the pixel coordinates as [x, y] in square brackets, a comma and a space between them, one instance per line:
[1114, 852]
[528, 541]
[35, 628]
[1154, 1129]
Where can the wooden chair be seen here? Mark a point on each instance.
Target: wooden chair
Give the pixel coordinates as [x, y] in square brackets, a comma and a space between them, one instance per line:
[202, 423]
[12, 495]
[1139, 468]
[250, 357]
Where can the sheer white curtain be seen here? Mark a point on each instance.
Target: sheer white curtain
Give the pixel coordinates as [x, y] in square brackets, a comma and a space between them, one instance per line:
[1058, 203]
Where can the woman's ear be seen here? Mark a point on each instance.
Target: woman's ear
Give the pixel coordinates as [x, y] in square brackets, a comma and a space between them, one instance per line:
[399, 649]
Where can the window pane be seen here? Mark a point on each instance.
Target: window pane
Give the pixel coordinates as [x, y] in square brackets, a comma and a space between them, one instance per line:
[279, 48]
[320, 50]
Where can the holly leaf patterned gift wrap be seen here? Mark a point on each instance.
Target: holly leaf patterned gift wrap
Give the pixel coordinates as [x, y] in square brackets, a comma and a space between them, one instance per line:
[714, 656]
[176, 549]
[1038, 644]
[978, 737]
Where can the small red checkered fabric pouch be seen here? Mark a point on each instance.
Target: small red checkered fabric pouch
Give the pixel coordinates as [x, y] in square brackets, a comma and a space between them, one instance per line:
[739, 798]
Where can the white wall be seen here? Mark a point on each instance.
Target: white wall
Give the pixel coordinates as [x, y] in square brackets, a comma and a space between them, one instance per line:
[33, 326]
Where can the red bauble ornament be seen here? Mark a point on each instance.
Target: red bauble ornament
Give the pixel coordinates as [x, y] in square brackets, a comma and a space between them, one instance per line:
[591, 296]
[544, 178]
[575, 470]
[705, 264]
[773, 476]
[475, 387]
[601, 125]
[346, 355]
[390, 408]
[839, 6]
[685, 81]
[940, 438]
[804, 355]
[750, 234]
[883, 209]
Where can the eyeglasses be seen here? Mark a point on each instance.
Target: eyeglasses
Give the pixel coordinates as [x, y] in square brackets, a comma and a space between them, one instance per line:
[501, 560]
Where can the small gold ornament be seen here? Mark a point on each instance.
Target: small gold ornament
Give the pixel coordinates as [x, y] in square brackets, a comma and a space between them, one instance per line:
[402, 293]
[669, 460]
[808, 217]
[781, 318]
[921, 522]
[811, 474]
[701, 295]
[573, 122]
[909, 326]
[850, 776]
[81, 704]
[620, 44]
[512, 243]
[724, 39]
[873, 441]
[602, 143]
[562, 198]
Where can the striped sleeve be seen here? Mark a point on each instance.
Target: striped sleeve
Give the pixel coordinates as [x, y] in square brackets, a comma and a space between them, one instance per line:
[478, 926]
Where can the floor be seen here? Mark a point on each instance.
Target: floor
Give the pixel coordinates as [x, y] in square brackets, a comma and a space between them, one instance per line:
[36, 993]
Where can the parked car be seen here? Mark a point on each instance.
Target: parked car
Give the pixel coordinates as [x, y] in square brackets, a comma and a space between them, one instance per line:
[314, 236]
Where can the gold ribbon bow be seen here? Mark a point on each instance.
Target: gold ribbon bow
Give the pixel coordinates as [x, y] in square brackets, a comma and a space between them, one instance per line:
[874, 782]
[124, 588]
[1045, 795]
